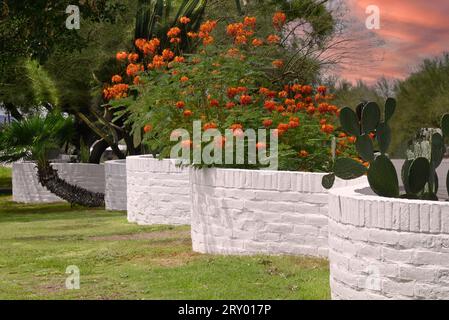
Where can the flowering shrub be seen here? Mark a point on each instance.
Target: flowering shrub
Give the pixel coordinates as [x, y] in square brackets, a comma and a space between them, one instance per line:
[228, 86]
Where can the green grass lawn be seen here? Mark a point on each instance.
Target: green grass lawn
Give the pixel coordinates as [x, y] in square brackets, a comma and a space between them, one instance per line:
[5, 178]
[118, 260]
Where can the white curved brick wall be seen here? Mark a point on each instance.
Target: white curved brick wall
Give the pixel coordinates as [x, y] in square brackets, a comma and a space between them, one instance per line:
[253, 211]
[381, 248]
[115, 195]
[158, 191]
[27, 189]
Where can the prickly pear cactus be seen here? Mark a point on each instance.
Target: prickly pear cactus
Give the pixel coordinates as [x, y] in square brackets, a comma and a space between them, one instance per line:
[369, 127]
[419, 170]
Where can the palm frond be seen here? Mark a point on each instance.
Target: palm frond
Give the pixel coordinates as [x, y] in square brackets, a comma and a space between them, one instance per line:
[35, 137]
[154, 18]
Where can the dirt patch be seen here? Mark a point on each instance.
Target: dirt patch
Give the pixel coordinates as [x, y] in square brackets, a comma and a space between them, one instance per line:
[156, 235]
[175, 260]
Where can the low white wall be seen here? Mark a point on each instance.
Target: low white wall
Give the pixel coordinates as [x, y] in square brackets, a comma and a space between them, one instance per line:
[382, 248]
[115, 194]
[27, 189]
[252, 212]
[157, 191]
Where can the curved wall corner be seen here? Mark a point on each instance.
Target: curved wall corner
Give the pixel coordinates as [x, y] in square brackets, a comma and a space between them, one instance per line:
[259, 212]
[382, 248]
[115, 175]
[158, 191]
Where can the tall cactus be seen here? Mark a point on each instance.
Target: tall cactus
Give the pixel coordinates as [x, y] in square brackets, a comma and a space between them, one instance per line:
[418, 175]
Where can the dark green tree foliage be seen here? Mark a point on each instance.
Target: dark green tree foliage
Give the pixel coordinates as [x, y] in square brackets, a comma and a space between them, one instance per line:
[32, 32]
[423, 98]
[33, 28]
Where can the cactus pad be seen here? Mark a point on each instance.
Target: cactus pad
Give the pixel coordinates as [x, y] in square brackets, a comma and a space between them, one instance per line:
[383, 178]
[370, 117]
[418, 172]
[348, 169]
[349, 121]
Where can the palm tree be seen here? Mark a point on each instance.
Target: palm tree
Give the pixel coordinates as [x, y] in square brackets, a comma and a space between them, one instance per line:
[35, 138]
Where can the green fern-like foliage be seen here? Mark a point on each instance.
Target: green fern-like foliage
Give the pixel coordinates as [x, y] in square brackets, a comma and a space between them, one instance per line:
[155, 17]
[35, 137]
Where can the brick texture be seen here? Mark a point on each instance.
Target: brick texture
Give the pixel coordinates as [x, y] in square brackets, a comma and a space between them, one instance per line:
[253, 212]
[27, 189]
[158, 191]
[115, 174]
[381, 248]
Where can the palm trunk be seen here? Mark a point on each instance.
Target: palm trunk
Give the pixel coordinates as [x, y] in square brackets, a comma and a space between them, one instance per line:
[49, 178]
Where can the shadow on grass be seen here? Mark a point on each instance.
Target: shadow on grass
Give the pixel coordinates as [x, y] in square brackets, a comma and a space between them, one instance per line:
[11, 211]
[5, 192]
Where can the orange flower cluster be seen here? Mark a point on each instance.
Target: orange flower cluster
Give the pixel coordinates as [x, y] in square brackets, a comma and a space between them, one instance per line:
[327, 128]
[210, 125]
[287, 102]
[133, 57]
[257, 42]
[214, 103]
[116, 79]
[120, 56]
[147, 128]
[250, 22]
[148, 46]
[273, 39]
[168, 55]
[173, 34]
[278, 63]
[303, 154]
[241, 31]
[234, 53]
[117, 91]
[180, 104]
[184, 20]
[245, 99]
[279, 20]
[179, 59]
[232, 92]
[132, 69]
[158, 62]
[267, 123]
[205, 32]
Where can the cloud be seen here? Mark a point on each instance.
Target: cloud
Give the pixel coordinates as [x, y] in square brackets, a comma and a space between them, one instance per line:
[411, 31]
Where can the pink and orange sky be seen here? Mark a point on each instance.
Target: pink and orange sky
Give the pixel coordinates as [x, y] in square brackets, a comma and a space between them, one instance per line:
[410, 30]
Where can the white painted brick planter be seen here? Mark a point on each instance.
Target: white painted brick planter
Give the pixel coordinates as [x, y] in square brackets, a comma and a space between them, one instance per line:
[27, 189]
[382, 248]
[158, 191]
[254, 212]
[115, 195]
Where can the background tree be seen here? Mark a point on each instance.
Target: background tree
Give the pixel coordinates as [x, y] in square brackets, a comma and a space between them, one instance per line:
[422, 98]
[350, 95]
[35, 138]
